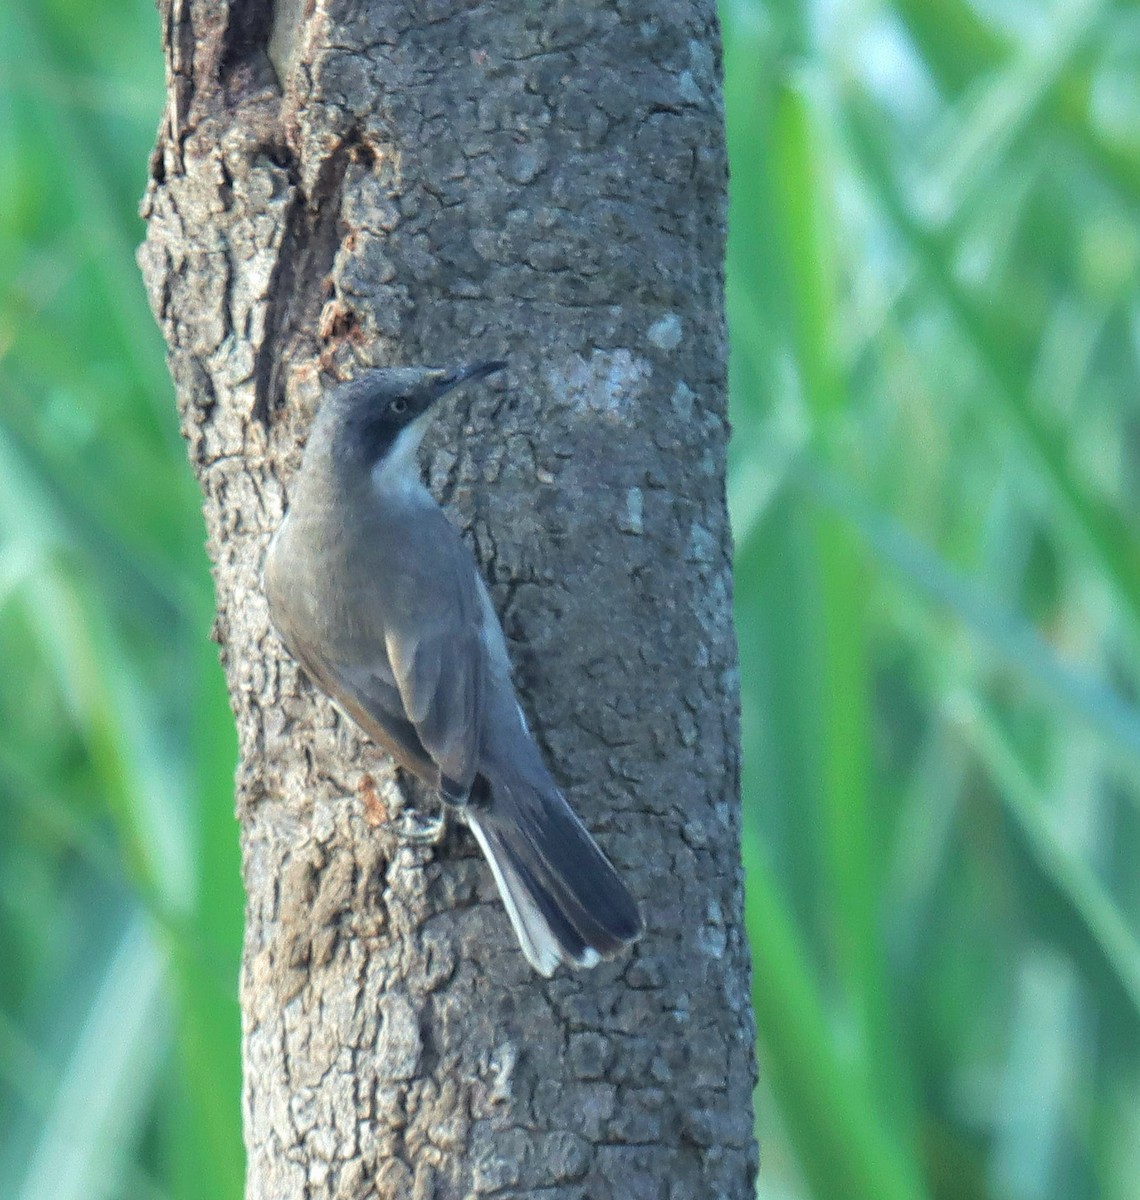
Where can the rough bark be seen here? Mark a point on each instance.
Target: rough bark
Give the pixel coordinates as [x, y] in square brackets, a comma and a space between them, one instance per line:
[338, 184]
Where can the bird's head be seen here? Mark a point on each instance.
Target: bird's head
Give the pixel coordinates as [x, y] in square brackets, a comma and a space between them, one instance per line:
[384, 413]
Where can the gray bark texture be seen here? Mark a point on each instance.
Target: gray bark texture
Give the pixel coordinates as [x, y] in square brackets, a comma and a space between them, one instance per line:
[339, 184]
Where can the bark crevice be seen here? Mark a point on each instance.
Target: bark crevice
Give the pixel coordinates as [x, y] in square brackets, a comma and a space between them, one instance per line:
[301, 284]
[246, 39]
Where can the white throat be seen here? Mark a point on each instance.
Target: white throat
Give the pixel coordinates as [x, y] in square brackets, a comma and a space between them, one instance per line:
[398, 472]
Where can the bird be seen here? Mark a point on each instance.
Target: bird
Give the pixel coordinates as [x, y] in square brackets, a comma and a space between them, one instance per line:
[375, 594]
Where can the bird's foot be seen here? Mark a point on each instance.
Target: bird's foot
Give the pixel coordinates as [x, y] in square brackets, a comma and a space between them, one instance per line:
[421, 829]
[407, 822]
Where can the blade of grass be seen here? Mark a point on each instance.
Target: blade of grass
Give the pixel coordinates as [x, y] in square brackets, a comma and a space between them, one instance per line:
[1044, 1051]
[804, 207]
[803, 198]
[209, 1031]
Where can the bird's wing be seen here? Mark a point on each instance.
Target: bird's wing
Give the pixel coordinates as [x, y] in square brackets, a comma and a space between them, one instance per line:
[439, 671]
[368, 695]
[407, 661]
[417, 665]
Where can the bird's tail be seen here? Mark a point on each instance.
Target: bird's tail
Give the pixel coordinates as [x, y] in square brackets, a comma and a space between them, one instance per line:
[565, 901]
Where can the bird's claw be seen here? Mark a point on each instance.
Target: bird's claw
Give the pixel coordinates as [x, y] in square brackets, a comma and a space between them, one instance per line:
[419, 829]
[407, 823]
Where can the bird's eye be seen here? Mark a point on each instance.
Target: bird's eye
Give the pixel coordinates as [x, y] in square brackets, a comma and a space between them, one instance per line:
[399, 406]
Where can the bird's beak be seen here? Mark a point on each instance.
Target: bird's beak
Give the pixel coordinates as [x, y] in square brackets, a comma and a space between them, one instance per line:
[479, 370]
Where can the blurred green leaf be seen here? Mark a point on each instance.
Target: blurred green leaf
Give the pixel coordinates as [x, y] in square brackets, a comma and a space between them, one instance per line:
[1063, 685]
[961, 48]
[88, 189]
[1105, 934]
[1103, 531]
[843, 750]
[842, 1146]
[100, 1099]
[905, 280]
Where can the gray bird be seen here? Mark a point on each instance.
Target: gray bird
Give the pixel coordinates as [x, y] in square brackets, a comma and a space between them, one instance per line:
[376, 595]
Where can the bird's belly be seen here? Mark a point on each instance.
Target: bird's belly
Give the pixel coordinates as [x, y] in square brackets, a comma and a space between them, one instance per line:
[312, 596]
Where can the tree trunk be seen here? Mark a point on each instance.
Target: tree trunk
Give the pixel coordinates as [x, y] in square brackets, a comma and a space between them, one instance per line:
[338, 185]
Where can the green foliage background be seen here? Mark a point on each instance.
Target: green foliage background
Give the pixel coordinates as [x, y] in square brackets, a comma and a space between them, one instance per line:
[935, 317]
